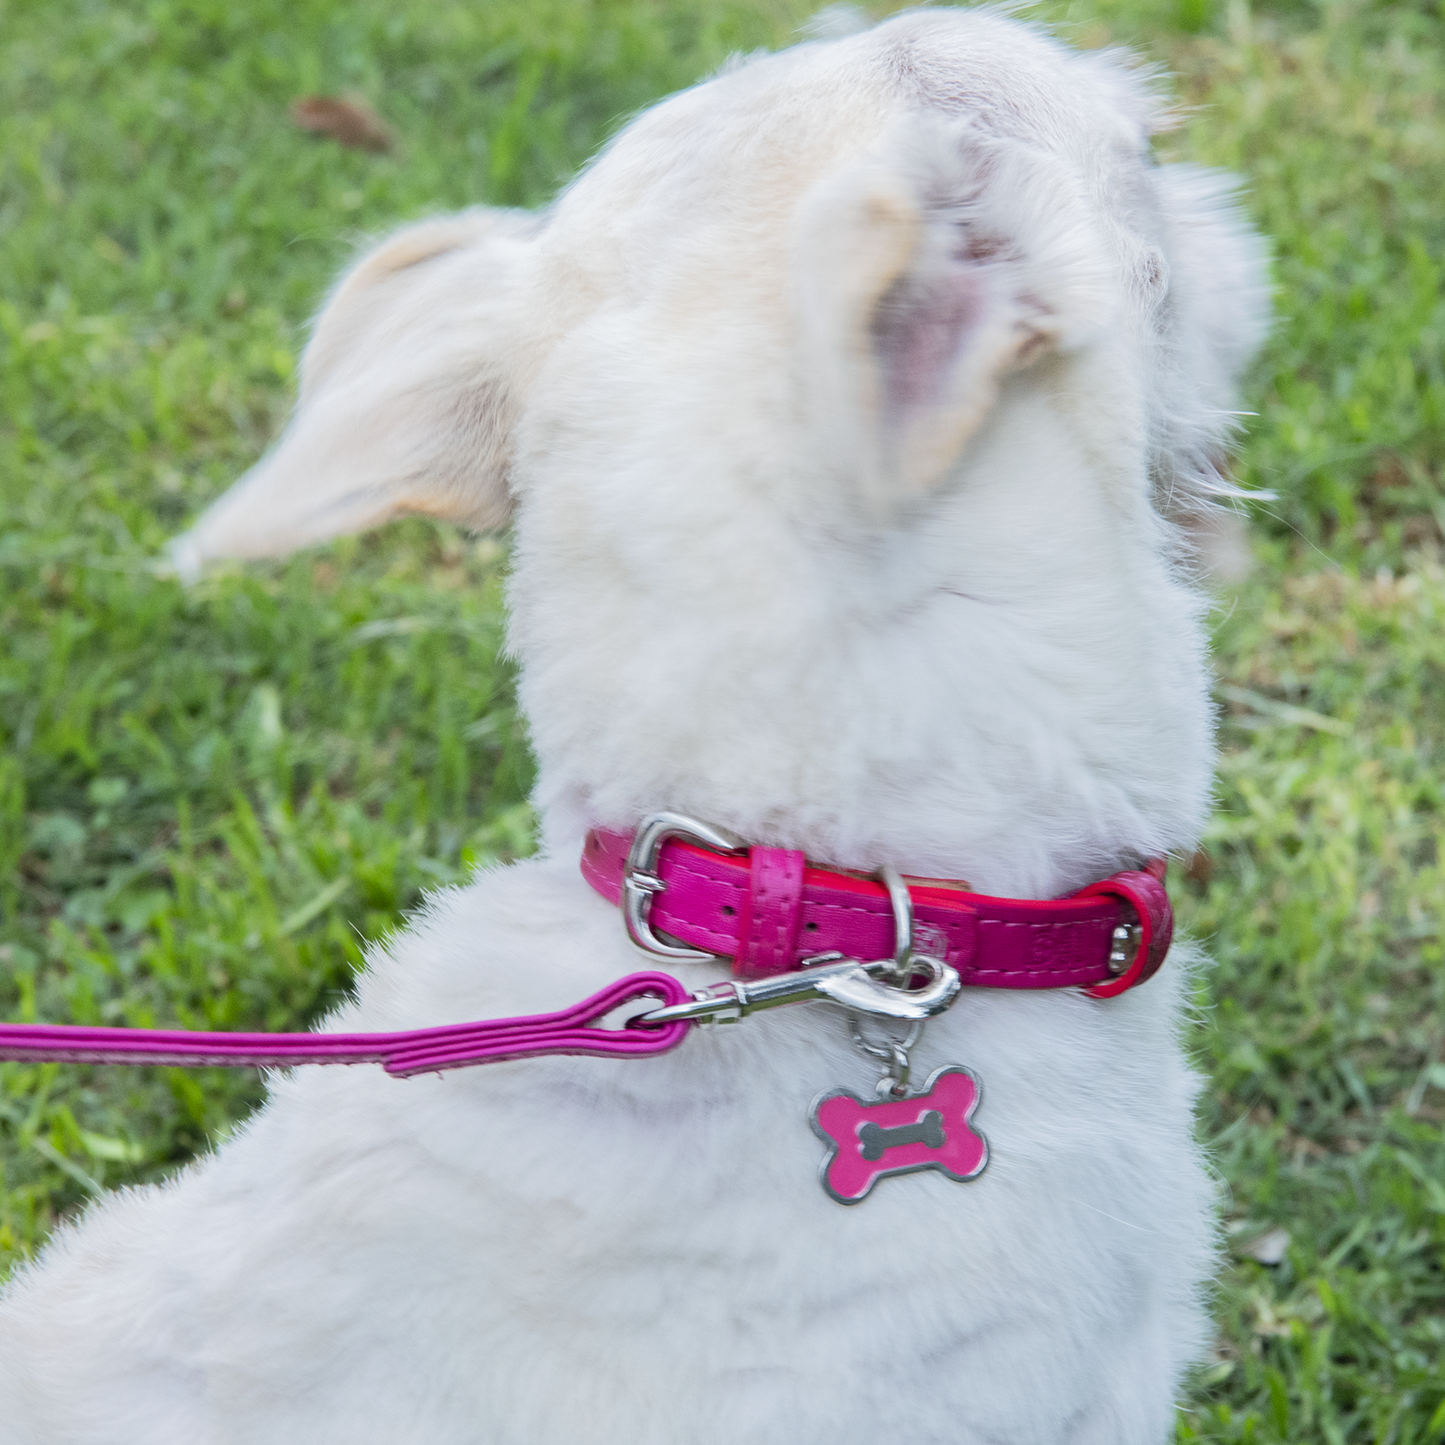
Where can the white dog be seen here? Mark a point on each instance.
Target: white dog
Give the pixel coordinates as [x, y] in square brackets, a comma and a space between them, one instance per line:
[839, 405]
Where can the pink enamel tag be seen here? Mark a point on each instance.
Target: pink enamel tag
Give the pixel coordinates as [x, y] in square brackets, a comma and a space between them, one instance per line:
[873, 1138]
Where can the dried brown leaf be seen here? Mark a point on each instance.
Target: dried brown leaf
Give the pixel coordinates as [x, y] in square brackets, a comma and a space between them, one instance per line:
[351, 122]
[1199, 866]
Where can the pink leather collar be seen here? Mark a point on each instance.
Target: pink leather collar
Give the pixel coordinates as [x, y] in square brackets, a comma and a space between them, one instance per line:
[769, 909]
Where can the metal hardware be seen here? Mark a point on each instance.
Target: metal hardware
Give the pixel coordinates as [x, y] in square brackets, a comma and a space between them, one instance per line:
[640, 880]
[885, 1050]
[900, 1001]
[847, 982]
[881, 987]
[858, 992]
[893, 1053]
[1124, 948]
[894, 1084]
[902, 901]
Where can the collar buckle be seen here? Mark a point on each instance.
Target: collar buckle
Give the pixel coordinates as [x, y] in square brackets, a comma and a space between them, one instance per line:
[640, 879]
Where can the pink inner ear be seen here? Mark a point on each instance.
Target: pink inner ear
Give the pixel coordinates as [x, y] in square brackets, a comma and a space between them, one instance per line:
[919, 330]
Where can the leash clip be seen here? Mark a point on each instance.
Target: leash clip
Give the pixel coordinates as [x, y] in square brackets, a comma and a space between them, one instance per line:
[851, 984]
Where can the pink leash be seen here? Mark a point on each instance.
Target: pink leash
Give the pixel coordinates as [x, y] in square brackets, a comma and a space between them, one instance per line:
[415, 1051]
[765, 908]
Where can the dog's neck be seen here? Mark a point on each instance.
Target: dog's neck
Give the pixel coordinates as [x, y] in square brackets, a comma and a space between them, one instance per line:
[1006, 684]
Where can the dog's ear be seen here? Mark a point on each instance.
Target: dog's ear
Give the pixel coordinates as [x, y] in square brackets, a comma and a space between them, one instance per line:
[405, 404]
[924, 274]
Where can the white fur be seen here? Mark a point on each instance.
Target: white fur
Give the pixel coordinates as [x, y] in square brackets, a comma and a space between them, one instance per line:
[839, 400]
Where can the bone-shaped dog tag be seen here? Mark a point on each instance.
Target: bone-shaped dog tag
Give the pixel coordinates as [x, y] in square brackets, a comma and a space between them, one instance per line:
[873, 1138]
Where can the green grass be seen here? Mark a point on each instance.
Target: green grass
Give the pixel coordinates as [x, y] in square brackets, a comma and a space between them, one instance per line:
[1326, 1014]
[210, 798]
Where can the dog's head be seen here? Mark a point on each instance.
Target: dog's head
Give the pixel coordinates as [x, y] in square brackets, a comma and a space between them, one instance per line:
[925, 280]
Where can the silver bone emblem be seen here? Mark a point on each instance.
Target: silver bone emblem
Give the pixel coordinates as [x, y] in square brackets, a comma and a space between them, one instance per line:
[876, 1140]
